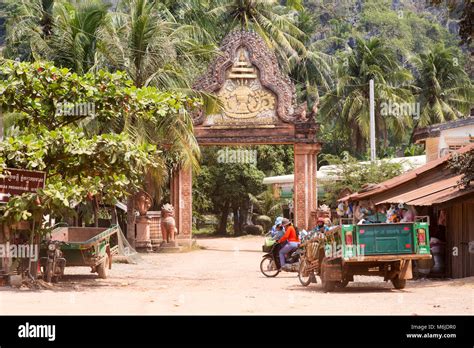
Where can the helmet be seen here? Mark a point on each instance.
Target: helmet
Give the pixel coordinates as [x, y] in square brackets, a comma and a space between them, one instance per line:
[278, 220]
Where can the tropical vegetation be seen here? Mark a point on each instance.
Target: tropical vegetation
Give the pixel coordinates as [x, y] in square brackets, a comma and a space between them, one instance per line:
[135, 61]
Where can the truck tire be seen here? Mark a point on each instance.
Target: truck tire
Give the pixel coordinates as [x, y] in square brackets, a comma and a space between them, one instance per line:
[342, 284]
[103, 267]
[328, 285]
[398, 283]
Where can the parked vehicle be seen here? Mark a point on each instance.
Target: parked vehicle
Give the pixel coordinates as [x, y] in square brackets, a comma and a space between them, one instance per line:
[386, 250]
[53, 264]
[270, 264]
[83, 246]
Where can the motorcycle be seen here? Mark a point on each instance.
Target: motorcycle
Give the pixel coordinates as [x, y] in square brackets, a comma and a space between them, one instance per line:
[54, 263]
[270, 264]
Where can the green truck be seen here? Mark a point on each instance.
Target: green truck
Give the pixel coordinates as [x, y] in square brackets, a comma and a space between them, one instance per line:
[382, 249]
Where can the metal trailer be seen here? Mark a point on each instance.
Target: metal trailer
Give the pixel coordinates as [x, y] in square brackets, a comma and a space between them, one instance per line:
[84, 246]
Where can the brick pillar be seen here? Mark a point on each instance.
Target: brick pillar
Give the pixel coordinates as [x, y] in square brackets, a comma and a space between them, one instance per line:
[182, 201]
[305, 193]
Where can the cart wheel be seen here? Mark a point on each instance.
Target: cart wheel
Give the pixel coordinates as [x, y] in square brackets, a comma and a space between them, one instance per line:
[103, 267]
[399, 283]
[268, 267]
[304, 280]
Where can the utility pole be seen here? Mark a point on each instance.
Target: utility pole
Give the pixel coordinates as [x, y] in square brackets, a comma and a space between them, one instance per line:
[372, 120]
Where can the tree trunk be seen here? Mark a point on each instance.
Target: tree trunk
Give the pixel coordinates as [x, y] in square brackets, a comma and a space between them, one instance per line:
[222, 228]
[237, 225]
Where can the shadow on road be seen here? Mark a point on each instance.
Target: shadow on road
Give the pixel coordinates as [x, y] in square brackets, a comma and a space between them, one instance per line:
[349, 289]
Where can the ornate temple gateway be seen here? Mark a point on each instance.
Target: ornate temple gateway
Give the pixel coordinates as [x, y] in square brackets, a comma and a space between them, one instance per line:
[258, 107]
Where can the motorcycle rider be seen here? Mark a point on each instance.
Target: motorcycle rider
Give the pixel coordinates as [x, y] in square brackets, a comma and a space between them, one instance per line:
[276, 229]
[292, 239]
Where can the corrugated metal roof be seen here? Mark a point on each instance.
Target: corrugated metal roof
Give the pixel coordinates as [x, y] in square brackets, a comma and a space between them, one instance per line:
[398, 180]
[437, 192]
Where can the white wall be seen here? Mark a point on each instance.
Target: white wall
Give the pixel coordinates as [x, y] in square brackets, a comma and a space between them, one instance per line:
[454, 132]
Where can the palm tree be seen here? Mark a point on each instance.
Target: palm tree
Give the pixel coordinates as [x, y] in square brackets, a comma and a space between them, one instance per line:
[267, 206]
[29, 24]
[143, 38]
[64, 32]
[445, 91]
[347, 103]
[73, 42]
[274, 22]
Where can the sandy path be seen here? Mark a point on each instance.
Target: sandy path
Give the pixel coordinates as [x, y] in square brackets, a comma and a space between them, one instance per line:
[224, 278]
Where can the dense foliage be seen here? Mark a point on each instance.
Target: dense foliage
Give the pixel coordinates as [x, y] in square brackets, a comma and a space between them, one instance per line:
[463, 164]
[135, 61]
[354, 175]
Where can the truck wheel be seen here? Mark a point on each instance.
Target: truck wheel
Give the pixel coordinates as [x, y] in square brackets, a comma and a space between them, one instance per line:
[103, 267]
[328, 285]
[342, 284]
[399, 283]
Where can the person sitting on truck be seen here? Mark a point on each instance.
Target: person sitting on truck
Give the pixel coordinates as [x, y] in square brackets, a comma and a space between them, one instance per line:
[292, 239]
[321, 227]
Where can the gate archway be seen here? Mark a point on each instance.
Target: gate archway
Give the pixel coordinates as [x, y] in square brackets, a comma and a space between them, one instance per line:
[259, 107]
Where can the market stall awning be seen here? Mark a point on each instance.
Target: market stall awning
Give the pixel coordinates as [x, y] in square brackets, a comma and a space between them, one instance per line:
[435, 193]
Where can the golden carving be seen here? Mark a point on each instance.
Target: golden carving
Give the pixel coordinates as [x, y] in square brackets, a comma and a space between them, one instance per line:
[243, 96]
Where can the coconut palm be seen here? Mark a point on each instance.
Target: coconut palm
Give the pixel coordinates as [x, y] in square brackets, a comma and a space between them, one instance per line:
[64, 32]
[29, 23]
[73, 42]
[274, 22]
[445, 91]
[347, 103]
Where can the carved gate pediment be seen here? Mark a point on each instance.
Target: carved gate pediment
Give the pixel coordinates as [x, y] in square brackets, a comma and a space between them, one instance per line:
[254, 94]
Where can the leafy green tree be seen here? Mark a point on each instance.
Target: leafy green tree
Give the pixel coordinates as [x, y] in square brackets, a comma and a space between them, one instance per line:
[77, 167]
[38, 91]
[463, 164]
[354, 175]
[222, 188]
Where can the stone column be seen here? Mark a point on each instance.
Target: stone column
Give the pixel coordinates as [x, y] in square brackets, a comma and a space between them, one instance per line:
[305, 192]
[181, 198]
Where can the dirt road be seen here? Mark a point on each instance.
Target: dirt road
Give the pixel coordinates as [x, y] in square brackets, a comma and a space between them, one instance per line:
[224, 278]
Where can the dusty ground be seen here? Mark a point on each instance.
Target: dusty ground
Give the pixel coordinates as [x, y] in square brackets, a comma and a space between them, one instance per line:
[224, 278]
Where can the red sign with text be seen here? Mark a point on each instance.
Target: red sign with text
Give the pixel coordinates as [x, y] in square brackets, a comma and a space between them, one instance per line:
[14, 182]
